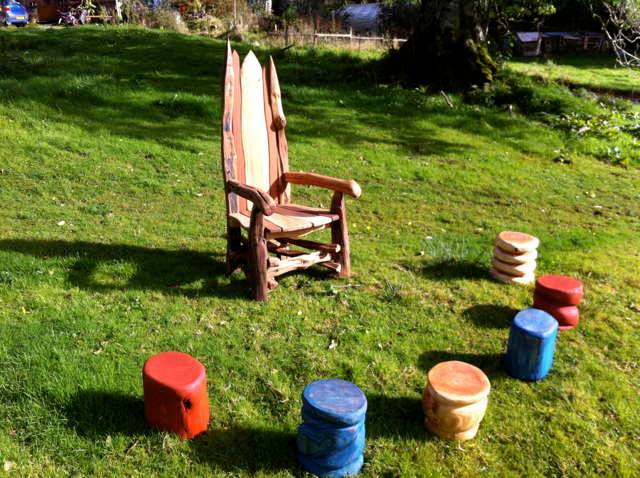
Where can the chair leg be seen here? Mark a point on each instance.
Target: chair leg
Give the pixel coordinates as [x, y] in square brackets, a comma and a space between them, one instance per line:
[234, 248]
[258, 256]
[340, 235]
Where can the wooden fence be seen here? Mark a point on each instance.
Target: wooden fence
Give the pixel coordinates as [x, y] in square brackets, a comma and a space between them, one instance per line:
[338, 39]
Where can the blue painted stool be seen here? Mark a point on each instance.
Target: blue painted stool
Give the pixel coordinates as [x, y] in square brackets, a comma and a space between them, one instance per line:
[532, 341]
[331, 438]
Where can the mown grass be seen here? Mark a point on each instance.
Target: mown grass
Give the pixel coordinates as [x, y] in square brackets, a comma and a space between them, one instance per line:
[111, 249]
[589, 71]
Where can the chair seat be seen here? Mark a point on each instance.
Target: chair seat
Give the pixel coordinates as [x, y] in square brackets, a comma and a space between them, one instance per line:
[290, 220]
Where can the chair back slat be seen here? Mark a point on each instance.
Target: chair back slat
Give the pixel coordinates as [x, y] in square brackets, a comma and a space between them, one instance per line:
[279, 123]
[237, 129]
[229, 154]
[254, 127]
[274, 169]
[254, 147]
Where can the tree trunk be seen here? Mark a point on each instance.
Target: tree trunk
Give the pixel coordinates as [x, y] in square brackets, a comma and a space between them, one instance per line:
[449, 46]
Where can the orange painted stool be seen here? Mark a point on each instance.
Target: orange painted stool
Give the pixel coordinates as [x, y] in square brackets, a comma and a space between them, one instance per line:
[175, 394]
[455, 400]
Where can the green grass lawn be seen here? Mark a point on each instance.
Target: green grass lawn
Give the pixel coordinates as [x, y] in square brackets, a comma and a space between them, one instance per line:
[589, 71]
[112, 249]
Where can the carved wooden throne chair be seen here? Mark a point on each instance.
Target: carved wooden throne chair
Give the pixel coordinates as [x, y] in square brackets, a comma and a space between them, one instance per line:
[257, 180]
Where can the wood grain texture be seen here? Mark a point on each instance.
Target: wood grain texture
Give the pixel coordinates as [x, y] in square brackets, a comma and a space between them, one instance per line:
[311, 220]
[258, 197]
[254, 128]
[287, 221]
[516, 242]
[302, 261]
[455, 400]
[279, 119]
[311, 210]
[349, 187]
[258, 256]
[273, 231]
[514, 258]
[274, 157]
[227, 144]
[255, 165]
[331, 248]
[513, 269]
[508, 279]
[340, 235]
[237, 128]
[280, 123]
[243, 220]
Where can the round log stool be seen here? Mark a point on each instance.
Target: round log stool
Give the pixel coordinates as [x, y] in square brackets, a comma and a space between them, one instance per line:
[455, 400]
[331, 439]
[175, 394]
[532, 341]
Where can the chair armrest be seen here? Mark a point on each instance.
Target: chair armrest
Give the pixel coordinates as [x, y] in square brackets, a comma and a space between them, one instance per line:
[349, 187]
[259, 198]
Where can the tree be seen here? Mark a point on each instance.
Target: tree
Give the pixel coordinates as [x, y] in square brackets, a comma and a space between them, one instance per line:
[450, 44]
[621, 25]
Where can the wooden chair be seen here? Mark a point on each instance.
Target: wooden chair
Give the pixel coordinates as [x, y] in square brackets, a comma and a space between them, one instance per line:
[257, 180]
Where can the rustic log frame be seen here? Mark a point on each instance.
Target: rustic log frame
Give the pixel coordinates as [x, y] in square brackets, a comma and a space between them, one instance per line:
[260, 199]
[349, 187]
[264, 259]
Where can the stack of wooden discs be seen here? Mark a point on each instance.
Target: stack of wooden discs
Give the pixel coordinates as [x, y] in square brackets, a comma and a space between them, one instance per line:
[514, 258]
[331, 438]
[560, 297]
[455, 400]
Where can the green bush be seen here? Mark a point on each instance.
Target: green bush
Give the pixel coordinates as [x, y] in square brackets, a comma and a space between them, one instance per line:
[529, 96]
[205, 24]
[165, 19]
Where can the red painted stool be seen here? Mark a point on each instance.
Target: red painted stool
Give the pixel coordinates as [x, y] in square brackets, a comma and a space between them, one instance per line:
[175, 394]
[559, 296]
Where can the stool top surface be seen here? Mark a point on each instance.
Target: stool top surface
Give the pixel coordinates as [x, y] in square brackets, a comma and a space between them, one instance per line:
[535, 322]
[557, 283]
[335, 399]
[176, 370]
[459, 382]
[513, 241]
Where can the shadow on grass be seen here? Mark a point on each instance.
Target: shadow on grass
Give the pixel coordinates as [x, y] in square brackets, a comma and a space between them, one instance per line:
[254, 450]
[490, 315]
[395, 416]
[164, 87]
[173, 272]
[455, 269]
[96, 414]
[246, 449]
[489, 363]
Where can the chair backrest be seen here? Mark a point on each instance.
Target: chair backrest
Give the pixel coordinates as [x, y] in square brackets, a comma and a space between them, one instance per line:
[254, 145]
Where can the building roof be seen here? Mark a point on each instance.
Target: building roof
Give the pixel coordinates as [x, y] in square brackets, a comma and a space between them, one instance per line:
[361, 16]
